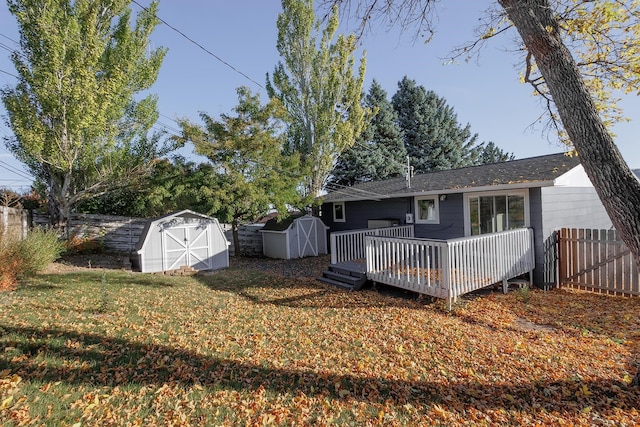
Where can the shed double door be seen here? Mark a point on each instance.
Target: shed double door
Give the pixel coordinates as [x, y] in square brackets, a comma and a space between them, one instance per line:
[307, 236]
[186, 245]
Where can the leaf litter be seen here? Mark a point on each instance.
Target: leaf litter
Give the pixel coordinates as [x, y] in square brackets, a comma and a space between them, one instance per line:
[264, 343]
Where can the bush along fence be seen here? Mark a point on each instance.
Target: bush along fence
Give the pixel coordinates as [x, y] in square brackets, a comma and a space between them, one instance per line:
[120, 234]
[596, 260]
[14, 223]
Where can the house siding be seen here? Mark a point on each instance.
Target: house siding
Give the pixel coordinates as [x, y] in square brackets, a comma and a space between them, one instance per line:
[571, 203]
[358, 213]
[578, 207]
[451, 220]
[535, 222]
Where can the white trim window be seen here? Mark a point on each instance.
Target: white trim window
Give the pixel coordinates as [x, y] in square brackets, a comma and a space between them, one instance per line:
[339, 214]
[486, 213]
[427, 210]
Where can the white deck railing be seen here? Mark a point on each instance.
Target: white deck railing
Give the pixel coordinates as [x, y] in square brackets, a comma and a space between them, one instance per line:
[350, 245]
[450, 268]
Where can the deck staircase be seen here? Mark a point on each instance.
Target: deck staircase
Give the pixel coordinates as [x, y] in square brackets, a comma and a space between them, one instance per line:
[347, 275]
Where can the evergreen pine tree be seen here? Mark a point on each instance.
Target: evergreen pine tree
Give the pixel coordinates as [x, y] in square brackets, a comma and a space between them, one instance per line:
[434, 139]
[491, 153]
[379, 152]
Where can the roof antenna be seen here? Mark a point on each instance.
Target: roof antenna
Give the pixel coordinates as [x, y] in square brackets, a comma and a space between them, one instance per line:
[408, 173]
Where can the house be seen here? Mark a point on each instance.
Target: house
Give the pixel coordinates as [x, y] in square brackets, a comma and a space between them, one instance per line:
[181, 239]
[542, 193]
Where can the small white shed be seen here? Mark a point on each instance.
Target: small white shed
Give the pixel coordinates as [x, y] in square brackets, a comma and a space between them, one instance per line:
[294, 237]
[183, 238]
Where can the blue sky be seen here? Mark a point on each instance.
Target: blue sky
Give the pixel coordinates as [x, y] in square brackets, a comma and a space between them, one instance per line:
[486, 94]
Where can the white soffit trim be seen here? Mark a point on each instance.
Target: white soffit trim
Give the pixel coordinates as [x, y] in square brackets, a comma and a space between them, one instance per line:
[576, 177]
[484, 189]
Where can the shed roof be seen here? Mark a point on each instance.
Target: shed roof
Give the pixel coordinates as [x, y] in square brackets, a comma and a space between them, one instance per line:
[530, 172]
[274, 225]
[167, 218]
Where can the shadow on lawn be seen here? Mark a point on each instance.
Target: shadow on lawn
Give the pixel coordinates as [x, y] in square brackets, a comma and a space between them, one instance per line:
[95, 360]
[255, 278]
[304, 292]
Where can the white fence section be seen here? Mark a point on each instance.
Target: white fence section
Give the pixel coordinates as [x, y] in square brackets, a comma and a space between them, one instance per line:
[350, 245]
[413, 264]
[450, 268]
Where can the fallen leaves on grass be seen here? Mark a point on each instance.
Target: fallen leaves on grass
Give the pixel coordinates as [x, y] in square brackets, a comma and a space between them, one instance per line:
[257, 346]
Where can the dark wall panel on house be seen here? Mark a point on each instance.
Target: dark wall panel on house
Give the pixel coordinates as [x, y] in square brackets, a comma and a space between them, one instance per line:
[358, 214]
[451, 220]
[535, 222]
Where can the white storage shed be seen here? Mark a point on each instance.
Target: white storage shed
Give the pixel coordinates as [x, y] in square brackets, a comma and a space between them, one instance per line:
[294, 237]
[183, 238]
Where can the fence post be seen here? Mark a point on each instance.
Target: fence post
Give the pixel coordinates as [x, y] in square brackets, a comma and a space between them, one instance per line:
[558, 266]
[5, 220]
[334, 249]
[25, 223]
[445, 267]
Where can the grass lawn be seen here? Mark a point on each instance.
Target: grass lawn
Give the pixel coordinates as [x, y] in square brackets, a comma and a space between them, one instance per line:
[247, 346]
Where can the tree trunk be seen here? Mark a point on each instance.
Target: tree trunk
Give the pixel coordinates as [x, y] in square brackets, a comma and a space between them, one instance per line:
[59, 206]
[617, 187]
[235, 225]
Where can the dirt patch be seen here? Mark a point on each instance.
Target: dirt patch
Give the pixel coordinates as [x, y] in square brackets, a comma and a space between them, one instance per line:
[299, 267]
[69, 263]
[526, 325]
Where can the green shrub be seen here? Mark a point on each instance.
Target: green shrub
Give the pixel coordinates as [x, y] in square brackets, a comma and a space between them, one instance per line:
[26, 257]
[39, 249]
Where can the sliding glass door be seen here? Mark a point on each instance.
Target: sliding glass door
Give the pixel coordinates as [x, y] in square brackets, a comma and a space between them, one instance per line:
[495, 213]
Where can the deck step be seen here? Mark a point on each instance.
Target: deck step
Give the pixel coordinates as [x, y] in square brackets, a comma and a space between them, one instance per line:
[352, 280]
[349, 269]
[336, 283]
[349, 276]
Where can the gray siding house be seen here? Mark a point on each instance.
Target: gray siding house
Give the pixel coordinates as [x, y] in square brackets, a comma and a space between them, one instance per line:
[543, 193]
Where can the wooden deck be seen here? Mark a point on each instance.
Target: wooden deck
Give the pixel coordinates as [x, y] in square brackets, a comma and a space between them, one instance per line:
[444, 268]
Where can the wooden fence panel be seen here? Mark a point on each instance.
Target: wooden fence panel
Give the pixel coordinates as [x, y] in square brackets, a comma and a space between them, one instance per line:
[250, 239]
[13, 223]
[597, 260]
[114, 233]
[121, 234]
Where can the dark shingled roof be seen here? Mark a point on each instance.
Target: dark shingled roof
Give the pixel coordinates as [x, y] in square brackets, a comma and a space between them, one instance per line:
[274, 225]
[528, 172]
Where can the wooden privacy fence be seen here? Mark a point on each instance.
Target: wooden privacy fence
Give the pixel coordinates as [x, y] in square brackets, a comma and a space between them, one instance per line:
[14, 223]
[596, 260]
[249, 237]
[121, 234]
[113, 233]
